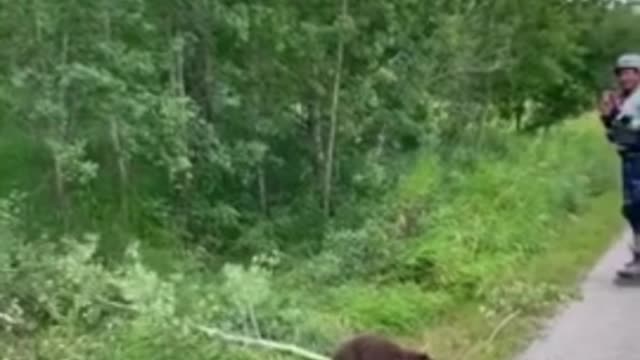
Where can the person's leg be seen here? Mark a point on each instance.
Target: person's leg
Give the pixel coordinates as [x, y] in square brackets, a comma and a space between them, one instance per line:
[631, 209]
[632, 214]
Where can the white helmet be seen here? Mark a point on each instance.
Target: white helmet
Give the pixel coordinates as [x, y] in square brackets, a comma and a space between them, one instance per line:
[628, 61]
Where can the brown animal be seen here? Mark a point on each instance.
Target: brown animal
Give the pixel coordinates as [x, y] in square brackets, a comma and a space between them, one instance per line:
[372, 347]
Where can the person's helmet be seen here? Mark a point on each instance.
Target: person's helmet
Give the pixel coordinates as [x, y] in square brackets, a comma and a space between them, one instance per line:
[628, 61]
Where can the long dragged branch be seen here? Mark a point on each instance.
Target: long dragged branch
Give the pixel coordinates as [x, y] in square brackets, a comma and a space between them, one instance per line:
[267, 344]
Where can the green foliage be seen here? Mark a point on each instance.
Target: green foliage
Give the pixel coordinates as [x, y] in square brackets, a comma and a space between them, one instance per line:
[285, 169]
[194, 106]
[371, 278]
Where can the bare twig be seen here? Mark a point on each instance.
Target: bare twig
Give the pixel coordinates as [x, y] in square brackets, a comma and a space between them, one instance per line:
[9, 319]
[465, 71]
[501, 325]
[254, 322]
[118, 305]
[268, 344]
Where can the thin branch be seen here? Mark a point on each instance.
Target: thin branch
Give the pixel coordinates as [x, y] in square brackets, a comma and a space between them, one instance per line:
[9, 319]
[254, 322]
[501, 325]
[118, 305]
[268, 344]
[465, 71]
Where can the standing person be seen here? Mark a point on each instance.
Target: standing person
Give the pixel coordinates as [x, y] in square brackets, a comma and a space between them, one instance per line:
[620, 114]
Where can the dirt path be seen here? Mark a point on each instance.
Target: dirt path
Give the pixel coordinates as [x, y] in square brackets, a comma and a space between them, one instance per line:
[604, 324]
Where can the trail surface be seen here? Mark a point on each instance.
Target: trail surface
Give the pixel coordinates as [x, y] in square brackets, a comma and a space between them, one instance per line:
[604, 324]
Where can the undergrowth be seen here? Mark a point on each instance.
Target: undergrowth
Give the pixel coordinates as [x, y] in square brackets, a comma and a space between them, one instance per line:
[450, 234]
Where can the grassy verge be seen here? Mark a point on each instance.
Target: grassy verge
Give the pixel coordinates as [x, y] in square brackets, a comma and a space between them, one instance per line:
[521, 287]
[466, 331]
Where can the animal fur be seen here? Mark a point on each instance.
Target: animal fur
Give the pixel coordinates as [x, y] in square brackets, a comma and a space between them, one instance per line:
[372, 347]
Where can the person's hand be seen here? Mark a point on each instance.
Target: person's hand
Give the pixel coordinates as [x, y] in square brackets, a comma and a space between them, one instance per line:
[609, 101]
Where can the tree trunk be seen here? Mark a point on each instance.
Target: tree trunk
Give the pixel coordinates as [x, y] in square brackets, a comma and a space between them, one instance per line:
[331, 146]
[58, 133]
[123, 173]
[262, 190]
[116, 143]
[381, 143]
[317, 147]
[184, 178]
[61, 194]
[519, 114]
[207, 46]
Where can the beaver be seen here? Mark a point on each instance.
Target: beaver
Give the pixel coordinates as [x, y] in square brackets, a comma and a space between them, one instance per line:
[374, 347]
